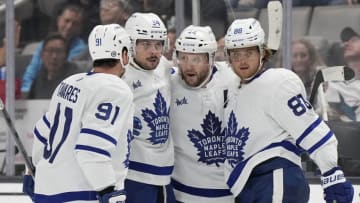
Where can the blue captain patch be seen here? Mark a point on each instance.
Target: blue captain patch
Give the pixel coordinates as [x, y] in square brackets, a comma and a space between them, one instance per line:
[158, 120]
[235, 140]
[210, 142]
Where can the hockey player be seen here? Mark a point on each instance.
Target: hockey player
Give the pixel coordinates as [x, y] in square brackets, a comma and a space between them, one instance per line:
[81, 147]
[199, 92]
[269, 123]
[151, 157]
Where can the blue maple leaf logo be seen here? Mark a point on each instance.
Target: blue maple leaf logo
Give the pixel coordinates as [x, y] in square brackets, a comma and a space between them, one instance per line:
[158, 120]
[130, 137]
[235, 141]
[210, 142]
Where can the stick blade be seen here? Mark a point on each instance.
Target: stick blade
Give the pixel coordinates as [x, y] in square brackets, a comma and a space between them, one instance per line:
[337, 73]
[275, 16]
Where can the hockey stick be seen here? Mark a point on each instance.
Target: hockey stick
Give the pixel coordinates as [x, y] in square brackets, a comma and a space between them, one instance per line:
[275, 16]
[18, 142]
[335, 73]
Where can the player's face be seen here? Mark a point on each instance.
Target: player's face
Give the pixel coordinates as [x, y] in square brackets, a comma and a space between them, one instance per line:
[352, 48]
[244, 61]
[300, 58]
[194, 68]
[148, 53]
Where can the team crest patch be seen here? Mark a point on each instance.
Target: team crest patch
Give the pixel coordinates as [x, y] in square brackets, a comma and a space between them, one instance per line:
[136, 84]
[157, 120]
[182, 101]
[235, 141]
[210, 142]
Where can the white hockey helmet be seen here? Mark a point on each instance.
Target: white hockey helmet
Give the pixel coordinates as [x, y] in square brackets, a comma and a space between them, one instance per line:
[145, 26]
[108, 42]
[197, 39]
[244, 33]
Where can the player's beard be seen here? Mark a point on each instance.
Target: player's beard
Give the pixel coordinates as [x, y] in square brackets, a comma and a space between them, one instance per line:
[151, 62]
[194, 79]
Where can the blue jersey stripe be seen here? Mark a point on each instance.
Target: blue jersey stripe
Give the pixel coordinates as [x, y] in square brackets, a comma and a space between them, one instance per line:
[99, 134]
[156, 170]
[39, 137]
[46, 121]
[204, 192]
[308, 130]
[238, 169]
[66, 197]
[92, 149]
[321, 142]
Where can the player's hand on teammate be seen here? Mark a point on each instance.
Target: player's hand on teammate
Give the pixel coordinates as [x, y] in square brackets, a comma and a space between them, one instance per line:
[336, 187]
[115, 196]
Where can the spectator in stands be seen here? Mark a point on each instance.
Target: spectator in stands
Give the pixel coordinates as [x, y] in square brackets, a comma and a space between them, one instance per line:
[220, 53]
[54, 69]
[111, 11]
[305, 61]
[3, 64]
[344, 97]
[114, 11]
[69, 26]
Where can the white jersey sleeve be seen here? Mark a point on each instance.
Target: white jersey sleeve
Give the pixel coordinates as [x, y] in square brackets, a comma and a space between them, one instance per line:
[294, 113]
[107, 115]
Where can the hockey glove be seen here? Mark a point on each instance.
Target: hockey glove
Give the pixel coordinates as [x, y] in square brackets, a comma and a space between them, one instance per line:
[28, 186]
[109, 195]
[336, 187]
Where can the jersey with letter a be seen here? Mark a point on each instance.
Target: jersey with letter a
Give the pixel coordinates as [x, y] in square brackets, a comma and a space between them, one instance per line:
[270, 117]
[197, 128]
[152, 153]
[82, 142]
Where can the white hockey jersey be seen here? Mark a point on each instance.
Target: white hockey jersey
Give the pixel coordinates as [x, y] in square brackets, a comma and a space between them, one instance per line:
[152, 150]
[344, 98]
[197, 128]
[82, 142]
[270, 117]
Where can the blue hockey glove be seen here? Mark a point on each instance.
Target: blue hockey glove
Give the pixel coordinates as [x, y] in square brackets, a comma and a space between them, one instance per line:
[114, 196]
[336, 187]
[28, 186]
